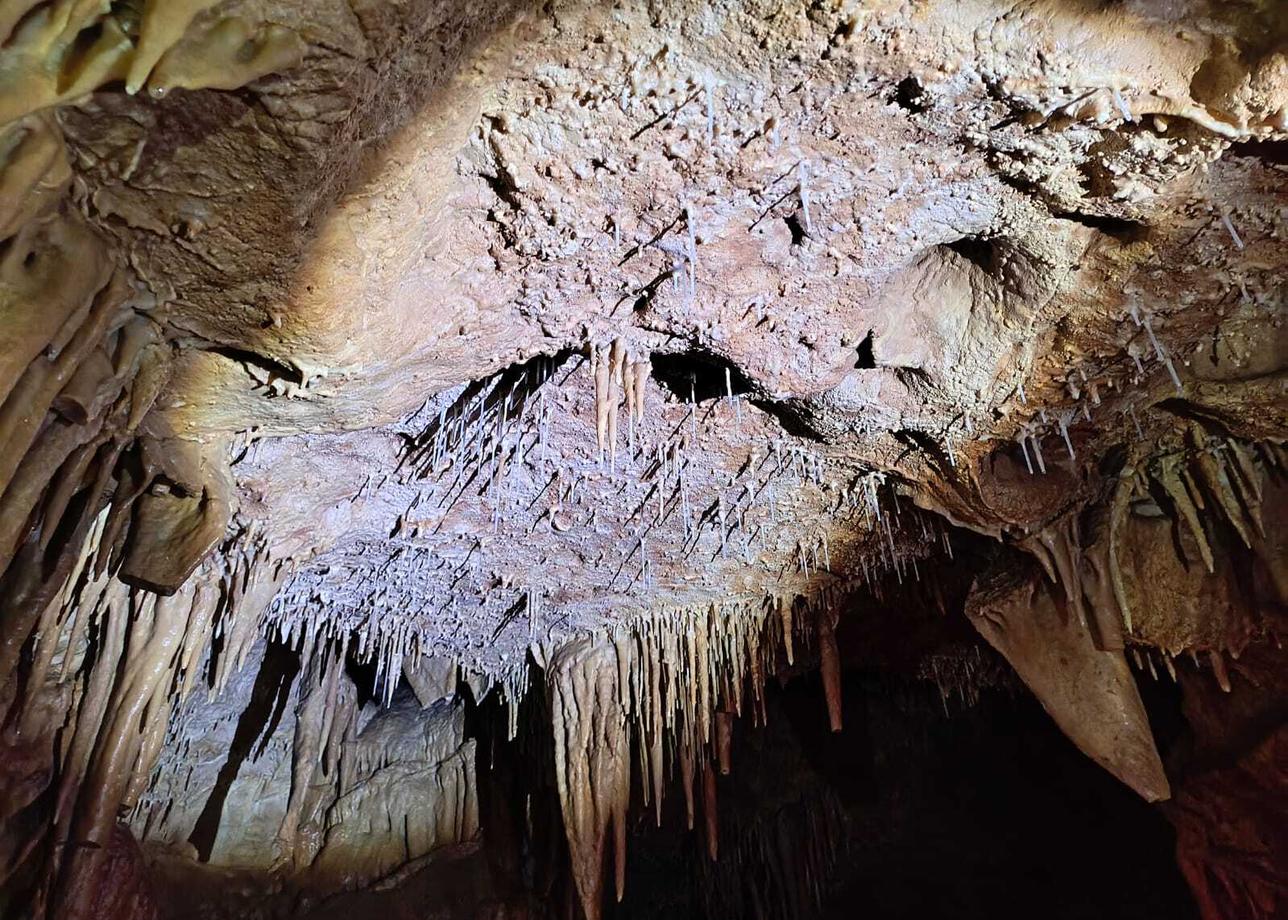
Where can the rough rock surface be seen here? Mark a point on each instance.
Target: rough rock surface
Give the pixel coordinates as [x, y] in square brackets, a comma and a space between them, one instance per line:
[367, 366]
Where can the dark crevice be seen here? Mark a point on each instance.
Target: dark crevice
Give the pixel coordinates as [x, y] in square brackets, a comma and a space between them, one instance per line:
[74, 59]
[1120, 228]
[255, 359]
[503, 188]
[977, 250]
[1022, 185]
[700, 375]
[1272, 153]
[519, 382]
[1212, 420]
[866, 356]
[845, 29]
[259, 719]
[790, 418]
[643, 297]
[697, 375]
[793, 223]
[920, 441]
[910, 95]
[362, 674]
[1168, 506]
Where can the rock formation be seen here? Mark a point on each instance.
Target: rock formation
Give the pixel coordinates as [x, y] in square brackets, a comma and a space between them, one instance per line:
[432, 432]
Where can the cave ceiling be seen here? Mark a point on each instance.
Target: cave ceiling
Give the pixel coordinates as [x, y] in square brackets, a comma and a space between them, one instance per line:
[463, 339]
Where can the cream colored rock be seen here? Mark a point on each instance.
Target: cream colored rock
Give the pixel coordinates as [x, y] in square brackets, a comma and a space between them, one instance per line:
[1090, 693]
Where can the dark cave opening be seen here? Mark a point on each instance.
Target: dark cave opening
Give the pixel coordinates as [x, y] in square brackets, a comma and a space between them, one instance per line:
[985, 811]
[979, 251]
[910, 95]
[698, 376]
[950, 810]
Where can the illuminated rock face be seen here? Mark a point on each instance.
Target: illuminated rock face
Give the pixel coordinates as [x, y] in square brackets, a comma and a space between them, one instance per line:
[381, 383]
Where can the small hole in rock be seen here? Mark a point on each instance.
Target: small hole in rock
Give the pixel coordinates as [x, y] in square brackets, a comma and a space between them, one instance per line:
[975, 249]
[697, 375]
[910, 95]
[866, 358]
[798, 231]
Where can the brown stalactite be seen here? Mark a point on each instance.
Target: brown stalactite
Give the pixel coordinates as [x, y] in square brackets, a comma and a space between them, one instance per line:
[686, 780]
[1089, 693]
[710, 810]
[829, 659]
[23, 412]
[724, 741]
[592, 763]
[154, 637]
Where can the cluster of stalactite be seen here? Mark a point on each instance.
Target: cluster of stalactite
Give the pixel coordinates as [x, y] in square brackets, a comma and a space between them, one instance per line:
[962, 674]
[374, 785]
[108, 682]
[378, 797]
[662, 695]
[109, 663]
[1069, 645]
[656, 697]
[57, 51]
[80, 369]
[87, 348]
[1192, 476]
[104, 516]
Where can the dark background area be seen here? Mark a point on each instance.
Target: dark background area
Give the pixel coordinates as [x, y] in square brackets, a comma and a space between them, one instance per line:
[950, 811]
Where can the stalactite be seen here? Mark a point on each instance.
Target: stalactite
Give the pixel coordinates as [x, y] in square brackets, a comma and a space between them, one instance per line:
[126, 742]
[710, 810]
[785, 619]
[830, 665]
[1089, 692]
[673, 682]
[641, 370]
[315, 713]
[406, 786]
[615, 371]
[23, 479]
[1119, 506]
[603, 395]
[1201, 477]
[592, 760]
[724, 741]
[1168, 476]
[780, 865]
[227, 54]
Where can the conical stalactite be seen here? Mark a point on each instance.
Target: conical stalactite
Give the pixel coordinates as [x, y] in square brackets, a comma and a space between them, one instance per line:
[1212, 489]
[1089, 692]
[592, 762]
[830, 664]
